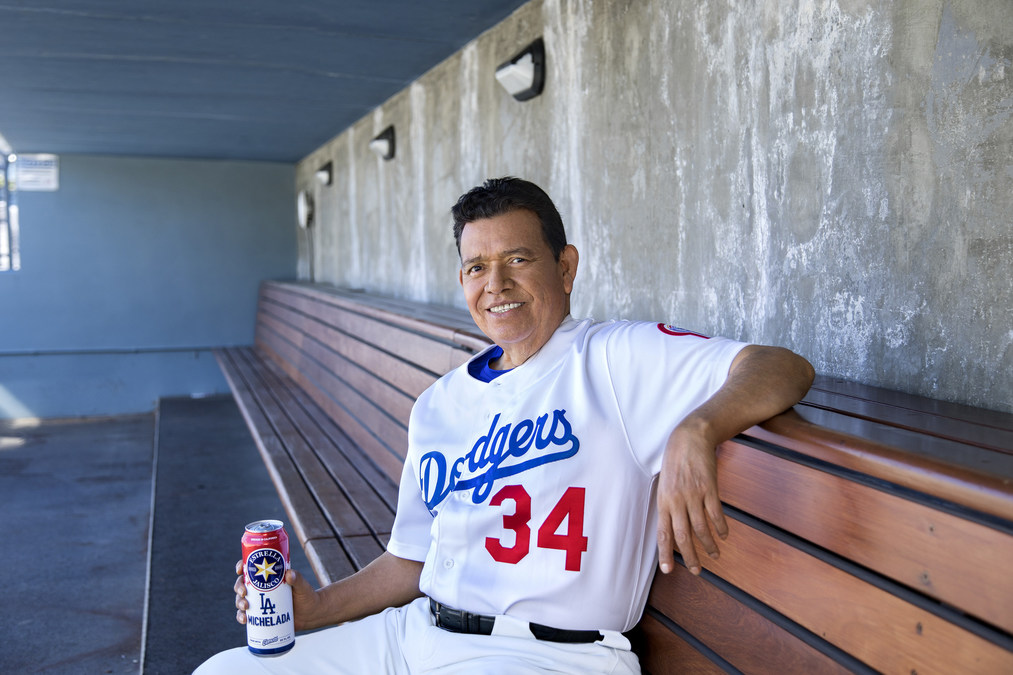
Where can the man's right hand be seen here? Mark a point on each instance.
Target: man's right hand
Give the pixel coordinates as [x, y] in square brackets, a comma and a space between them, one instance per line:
[304, 599]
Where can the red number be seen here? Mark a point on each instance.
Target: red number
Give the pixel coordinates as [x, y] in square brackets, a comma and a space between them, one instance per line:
[518, 522]
[569, 507]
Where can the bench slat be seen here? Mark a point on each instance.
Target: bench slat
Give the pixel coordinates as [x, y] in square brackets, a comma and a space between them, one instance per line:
[863, 395]
[376, 404]
[440, 321]
[662, 651]
[365, 497]
[329, 561]
[348, 453]
[947, 428]
[305, 518]
[990, 493]
[734, 630]
[349, 414]
[435, 355]
[885, 631]
[888, 533]
[339, 511]
[407, 377]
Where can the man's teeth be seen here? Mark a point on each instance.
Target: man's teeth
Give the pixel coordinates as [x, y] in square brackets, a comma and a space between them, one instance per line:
[504, 308]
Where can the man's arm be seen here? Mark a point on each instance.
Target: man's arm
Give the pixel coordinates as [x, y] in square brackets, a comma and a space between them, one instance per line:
[388, 581]
[762, 382]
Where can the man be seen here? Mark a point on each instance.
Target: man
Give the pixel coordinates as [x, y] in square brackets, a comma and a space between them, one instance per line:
[525, 533]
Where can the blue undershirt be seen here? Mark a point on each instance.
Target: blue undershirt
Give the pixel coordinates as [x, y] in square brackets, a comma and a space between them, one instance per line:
[480, 368]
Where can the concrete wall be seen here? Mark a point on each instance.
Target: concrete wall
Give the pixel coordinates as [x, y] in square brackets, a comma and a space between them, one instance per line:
[829, 175]
[130, 272]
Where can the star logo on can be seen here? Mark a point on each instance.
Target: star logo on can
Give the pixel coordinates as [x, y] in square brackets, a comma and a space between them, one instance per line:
[265, 569]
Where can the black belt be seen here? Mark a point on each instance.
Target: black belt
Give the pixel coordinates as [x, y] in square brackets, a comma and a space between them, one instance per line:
[459, 621]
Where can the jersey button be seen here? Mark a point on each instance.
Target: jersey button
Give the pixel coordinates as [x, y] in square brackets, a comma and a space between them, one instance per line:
[448, 563]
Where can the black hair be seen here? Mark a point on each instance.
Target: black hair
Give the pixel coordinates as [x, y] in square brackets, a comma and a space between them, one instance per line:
[498, 196]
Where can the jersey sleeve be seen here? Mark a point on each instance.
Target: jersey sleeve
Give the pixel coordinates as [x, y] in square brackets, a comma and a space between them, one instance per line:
[659, 375]
[410, 536]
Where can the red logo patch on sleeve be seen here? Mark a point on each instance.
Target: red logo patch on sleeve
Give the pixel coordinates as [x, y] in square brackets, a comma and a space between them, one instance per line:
[669, 329]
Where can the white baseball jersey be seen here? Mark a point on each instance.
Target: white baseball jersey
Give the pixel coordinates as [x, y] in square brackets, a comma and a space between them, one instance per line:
[534, 495]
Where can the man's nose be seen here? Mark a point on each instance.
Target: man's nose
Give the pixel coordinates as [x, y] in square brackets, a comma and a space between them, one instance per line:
[497, 280]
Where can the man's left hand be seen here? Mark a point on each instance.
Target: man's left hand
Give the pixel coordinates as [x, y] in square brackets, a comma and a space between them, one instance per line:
[689, 509]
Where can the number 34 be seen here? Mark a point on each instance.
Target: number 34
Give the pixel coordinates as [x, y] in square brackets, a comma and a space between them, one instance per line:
[570, 506]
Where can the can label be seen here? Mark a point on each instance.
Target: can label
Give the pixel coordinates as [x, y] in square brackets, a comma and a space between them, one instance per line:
[269, 626]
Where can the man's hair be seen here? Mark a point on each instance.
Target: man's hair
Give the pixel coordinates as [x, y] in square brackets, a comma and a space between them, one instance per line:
[498, 196]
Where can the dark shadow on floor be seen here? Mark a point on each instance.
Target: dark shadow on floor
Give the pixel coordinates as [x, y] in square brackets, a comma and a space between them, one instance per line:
[211, 483]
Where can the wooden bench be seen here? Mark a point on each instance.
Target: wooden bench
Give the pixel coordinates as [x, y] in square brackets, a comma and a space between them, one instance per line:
[869, 530]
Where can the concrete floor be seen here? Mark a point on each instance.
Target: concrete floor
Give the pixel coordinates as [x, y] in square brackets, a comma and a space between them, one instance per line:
[78, 498]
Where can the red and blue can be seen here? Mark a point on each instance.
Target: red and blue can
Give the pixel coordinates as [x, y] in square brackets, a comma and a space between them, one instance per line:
[269, 627]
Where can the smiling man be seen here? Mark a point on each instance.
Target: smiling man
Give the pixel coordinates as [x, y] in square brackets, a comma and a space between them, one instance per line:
[545, 479]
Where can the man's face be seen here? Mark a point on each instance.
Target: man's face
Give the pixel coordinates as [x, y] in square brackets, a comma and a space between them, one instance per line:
[516, 291]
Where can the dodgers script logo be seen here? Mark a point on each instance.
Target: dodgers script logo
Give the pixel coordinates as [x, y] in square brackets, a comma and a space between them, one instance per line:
[491, 457]
[265, 569]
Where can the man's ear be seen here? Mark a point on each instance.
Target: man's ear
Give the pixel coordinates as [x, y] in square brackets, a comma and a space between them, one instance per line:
[568, 260]
[460, 277]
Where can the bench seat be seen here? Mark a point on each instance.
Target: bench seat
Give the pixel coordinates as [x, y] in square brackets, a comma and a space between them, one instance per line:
[869, 529]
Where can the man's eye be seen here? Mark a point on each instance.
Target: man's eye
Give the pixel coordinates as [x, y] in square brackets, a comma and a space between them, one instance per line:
[519, 260]
[474, 269]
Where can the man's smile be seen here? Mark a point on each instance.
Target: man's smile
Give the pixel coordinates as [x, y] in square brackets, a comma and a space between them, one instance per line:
[499, 309]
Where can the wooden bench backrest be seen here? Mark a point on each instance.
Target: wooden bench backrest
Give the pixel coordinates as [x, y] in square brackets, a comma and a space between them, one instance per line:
[363, 359]
[869, 530]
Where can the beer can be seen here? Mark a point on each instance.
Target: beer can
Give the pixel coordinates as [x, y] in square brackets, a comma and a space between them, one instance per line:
[270, 630]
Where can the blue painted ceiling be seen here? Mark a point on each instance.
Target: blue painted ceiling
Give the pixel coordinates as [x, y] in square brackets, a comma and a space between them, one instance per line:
[221, 79]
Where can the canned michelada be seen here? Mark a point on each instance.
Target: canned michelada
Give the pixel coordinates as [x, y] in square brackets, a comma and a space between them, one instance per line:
[269, 627]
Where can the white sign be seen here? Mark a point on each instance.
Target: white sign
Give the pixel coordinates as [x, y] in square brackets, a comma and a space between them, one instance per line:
[37, 173]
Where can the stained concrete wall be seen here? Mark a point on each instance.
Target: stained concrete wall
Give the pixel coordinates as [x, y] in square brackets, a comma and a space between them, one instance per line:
[131, 273]
[829, 175]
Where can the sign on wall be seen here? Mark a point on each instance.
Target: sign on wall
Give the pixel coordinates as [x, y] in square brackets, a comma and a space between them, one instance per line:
[38, 173]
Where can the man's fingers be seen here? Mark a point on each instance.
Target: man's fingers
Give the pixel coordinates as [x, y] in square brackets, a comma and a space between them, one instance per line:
[702, 530]
[717, 515]
[674, 531]
[666, 560]
[240, 588]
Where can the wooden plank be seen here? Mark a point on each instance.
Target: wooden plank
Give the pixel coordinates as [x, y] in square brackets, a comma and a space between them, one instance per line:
[316, 357]
[987, 492]
[328, 560]
[328, 498]
[339, 510]
[377, 479]
[881, 629]
[305, 517]
[901, 400]
[362, 550]
[390, 336]
[917, 445]
[377, 514]
[966, 431]
[439, 320]
[734, 630]
[661, 651]
[360, 417]
[952, 559]
[406, 376]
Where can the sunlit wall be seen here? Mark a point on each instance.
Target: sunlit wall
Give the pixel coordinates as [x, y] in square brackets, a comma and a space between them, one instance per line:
[130, 273]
